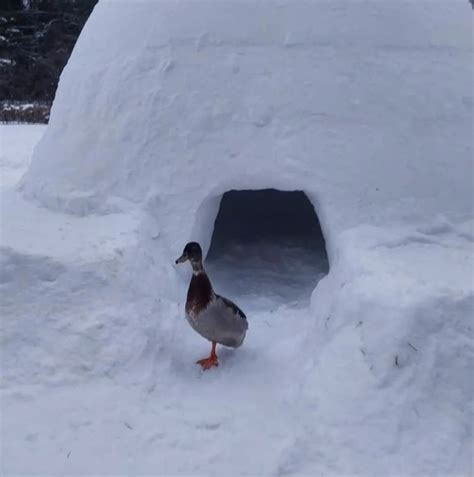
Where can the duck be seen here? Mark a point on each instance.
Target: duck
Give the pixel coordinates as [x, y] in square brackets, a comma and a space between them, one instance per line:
[214, 317]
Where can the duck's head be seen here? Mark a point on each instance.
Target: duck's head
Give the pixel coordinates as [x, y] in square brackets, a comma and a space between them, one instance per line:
[192, 252]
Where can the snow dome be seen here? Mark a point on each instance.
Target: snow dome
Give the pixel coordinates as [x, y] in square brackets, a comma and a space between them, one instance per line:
[346, 126]
[205, 97]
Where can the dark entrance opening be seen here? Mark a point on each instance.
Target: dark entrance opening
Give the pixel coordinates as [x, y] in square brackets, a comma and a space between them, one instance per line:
[267, 246]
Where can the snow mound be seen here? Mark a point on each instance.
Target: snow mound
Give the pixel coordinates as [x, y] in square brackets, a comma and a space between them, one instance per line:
[366, 108]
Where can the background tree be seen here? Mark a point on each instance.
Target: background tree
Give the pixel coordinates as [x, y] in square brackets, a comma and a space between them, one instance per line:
[36, 40]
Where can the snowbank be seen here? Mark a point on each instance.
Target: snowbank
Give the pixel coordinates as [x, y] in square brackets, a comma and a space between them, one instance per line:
[366, 107]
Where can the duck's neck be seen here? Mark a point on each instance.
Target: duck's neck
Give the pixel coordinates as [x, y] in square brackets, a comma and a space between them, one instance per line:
[200, 292]
[197, 268]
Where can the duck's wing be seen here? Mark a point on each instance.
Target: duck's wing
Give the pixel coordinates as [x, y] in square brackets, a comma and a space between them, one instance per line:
[230, 304]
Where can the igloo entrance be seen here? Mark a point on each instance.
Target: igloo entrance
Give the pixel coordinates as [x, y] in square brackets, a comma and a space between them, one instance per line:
[267, 245]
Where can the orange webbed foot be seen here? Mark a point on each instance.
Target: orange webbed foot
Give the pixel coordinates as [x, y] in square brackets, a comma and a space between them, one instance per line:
[208, 363]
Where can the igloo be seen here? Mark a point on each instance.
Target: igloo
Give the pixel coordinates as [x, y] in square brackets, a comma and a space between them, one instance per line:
[166, 110]
[200, 100]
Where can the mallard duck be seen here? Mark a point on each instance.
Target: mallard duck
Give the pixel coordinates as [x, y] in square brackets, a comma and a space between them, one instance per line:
[214, 317]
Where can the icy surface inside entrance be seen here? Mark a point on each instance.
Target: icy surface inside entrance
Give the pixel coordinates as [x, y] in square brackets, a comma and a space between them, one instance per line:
[267, 248]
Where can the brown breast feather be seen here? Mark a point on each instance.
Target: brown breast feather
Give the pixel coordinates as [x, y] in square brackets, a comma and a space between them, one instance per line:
[199, 294]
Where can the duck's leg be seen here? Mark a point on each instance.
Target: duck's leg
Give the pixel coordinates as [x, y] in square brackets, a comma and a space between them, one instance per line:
[208, 363]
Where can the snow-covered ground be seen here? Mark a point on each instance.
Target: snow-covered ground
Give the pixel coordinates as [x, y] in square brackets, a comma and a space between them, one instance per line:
[16, 147]
[98, 379]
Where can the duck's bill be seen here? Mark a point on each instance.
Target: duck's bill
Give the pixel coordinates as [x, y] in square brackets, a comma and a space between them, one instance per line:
[181, 259]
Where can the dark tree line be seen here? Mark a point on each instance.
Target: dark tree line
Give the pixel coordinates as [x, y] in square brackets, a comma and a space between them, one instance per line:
[36, 39]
